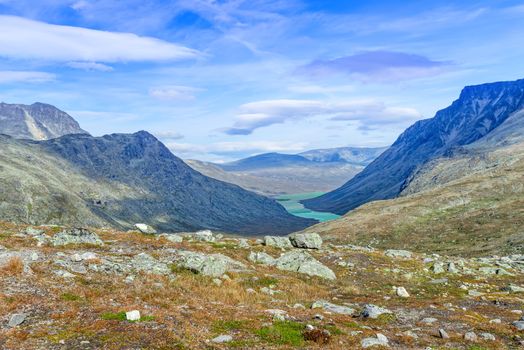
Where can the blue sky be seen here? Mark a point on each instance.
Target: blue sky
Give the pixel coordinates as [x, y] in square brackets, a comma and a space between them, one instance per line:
[218, 80]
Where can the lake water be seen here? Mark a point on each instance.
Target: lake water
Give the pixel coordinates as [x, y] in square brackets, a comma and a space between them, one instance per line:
[293, 206]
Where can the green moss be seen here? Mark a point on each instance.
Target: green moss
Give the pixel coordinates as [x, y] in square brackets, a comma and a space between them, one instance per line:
[282, 333]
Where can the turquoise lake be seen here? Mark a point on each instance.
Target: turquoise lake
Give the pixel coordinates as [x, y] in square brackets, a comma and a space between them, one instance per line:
[293, 206]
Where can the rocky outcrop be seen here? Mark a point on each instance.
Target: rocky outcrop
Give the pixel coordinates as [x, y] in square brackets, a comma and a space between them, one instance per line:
[302, 262]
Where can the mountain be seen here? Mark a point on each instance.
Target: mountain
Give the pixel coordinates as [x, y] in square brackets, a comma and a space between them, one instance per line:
[121, 179]
[469, 203]
[478, 112]
[38, 121]
[355, 155]
[275, 174]
[266, 160]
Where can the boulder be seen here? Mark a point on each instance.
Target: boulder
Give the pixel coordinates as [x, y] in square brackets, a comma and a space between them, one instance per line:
[203, 236]
[277, 241]
[303, 262]
[222, 339]
[76, 236]
[398, 253]
[146, 263]
[402, 292]
[373, 311]
[306, 240]
[380, 340]
[262, 258]
[336, 309]
[16, 319]
[172, 237]
[145, 228]
[214, 265]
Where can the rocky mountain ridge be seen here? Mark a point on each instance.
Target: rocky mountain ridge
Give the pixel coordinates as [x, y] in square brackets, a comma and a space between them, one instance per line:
[479, 111]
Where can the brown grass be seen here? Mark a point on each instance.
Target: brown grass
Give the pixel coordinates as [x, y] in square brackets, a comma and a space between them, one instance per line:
[13, 267]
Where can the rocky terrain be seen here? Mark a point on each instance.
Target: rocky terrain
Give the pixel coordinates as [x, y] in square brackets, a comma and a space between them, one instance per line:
[479, 111]
[38, 121]
[66, 288]
[117, 180]
[275, 174]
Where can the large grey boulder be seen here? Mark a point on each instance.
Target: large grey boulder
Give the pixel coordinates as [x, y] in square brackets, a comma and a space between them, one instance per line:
[380, 340]
[145, 228]
[146, 263]
[262, 258]
[76, 236]
[277, 241]
[302, 262]
[306, 240]
[214, 265]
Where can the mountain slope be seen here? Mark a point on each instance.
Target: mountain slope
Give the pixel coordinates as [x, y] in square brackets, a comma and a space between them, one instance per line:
[120, 179]
[266, 160]
[479, 110]
[361, 156]
[469, 202]
[38, 121]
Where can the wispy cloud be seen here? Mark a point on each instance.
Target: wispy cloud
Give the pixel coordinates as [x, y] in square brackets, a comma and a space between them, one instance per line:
[260, 114]
[235, 148]
[168, 135]
[21, 38]
[381, 66]
[91, 66]
[174, 93]
[9, 76]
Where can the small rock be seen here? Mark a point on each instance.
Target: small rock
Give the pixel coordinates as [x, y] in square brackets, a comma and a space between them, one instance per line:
[204, 236]
[402, 292]
[429, 320]
[76, 236]
[519, 325]
[243, 243]
[443, 334]
[145, 228]
[470, 336]
[16, 319]
[172, 237]
[133, 315]
[222, 339]
[380, 340]
[487, 336]
[514, 289]
[438, 267]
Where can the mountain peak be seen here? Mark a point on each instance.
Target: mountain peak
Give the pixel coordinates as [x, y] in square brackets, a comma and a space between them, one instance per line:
[38, 121]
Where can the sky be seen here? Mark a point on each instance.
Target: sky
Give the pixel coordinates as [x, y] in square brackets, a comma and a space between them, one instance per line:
[219, 80]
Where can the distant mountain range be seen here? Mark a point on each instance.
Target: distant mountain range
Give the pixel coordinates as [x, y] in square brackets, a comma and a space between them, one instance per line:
[276, 173]
[38, 121]
[118, 180]
[489, 111]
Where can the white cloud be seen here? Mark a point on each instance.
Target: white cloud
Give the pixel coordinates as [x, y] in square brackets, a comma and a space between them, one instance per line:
[265, 113]
[22, 38]
[90, 66]
[10, 76]
[168, 135]
[233, 148]
[173, 93]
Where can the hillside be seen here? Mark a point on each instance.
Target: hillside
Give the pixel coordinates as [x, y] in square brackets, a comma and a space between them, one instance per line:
[66, 288]
[121, 179]
[471, 203]
[355, 155]
[478, 111]
[38, 121]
